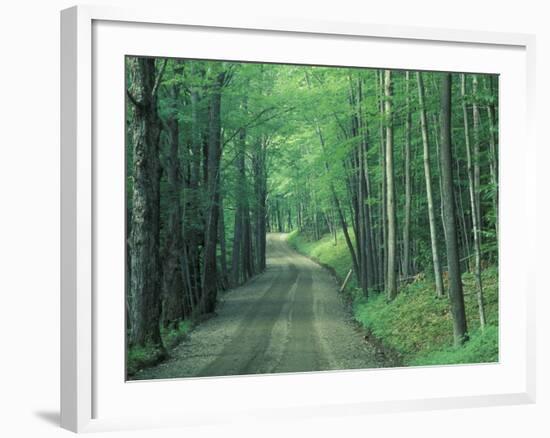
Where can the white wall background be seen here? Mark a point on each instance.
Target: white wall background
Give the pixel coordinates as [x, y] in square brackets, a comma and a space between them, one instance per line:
[29, 215]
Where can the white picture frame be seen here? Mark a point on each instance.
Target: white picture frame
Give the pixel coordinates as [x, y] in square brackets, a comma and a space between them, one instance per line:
[85, 383]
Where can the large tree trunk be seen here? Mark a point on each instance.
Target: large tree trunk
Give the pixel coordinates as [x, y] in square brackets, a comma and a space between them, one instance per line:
[173, 291]
[473, 206]
[209, 276]
[391, 286]
[193, 233]
[429, 194]
[144, 240]
[455, 281]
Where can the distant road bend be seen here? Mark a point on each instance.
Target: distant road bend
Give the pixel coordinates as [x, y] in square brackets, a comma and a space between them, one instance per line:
[287, 319]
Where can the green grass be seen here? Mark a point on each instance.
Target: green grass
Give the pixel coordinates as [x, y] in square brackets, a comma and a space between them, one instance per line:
[416, 324]
[325, 252]
[143, 357]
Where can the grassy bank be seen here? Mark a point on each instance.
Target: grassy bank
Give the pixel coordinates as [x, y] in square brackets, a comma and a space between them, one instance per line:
[416, 325]
[142, 357]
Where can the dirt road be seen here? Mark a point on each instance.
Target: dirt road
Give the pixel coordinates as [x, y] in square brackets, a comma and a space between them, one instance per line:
[288, 319]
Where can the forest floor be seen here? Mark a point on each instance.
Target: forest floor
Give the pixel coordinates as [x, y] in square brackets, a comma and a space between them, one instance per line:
[290, 318]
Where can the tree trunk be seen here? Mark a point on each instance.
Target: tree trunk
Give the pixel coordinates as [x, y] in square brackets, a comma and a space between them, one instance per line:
[476, 150]
[407, 224]
[493, 156]
[473, 206]
[455, 280]
[338, 206]
[428, 177]
[391, 286]
[238, 232]
[209, 276]
[173, 292]
[223, 250]
[383, 205]
[145, 281]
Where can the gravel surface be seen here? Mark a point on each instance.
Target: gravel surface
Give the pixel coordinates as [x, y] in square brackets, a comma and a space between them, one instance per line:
[290, 318]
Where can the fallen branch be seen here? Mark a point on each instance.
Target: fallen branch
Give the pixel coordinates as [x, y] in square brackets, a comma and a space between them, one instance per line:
[345, 281]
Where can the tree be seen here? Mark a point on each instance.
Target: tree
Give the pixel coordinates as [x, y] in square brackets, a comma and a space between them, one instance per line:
[221, 153]
[453, 260]
[391, 286]
[209, 277]
[172, 276]
[429, 194]
[144, 240]
[473, 206]
[407, 221]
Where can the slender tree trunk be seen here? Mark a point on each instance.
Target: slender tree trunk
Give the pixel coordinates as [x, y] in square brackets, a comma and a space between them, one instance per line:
[383, 215]
[429, 194]
[357, 187]
[439, 177]
[476, 150]
[455, 280]
[407, 224]
[260, 188]
[336, 201]
[223, 250]
[473, 206]
[391, 286]
[493, 157]
[237, 267]
[364, 183]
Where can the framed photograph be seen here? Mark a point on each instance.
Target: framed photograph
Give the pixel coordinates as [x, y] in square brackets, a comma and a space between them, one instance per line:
[257, 208]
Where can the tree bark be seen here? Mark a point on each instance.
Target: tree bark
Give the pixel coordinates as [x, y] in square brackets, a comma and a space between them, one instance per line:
[407, 221]
[173, 289]
[383, 206]
[473, 206]
[391, 286]
[209, 277]
[429, 195]
[455, 280]
[144, 241]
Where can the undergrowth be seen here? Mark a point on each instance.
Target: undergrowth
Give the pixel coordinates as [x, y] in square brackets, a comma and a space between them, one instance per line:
[139, 357]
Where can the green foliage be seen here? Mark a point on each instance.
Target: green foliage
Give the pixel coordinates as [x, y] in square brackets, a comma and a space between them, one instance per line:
[335, 256]
[143, 357]
[300, 129]
[417, 325]
[481, 348]
[173, 336]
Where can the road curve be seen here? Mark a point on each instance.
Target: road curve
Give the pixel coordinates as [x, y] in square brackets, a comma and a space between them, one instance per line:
[287, 319]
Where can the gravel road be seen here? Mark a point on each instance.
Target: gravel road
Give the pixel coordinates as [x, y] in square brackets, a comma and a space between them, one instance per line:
[288, 319]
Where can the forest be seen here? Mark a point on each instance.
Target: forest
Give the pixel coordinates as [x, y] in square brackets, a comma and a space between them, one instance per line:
[395, 171]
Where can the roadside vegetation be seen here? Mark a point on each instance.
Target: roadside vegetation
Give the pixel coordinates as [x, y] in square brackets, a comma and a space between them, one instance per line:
[416, 325]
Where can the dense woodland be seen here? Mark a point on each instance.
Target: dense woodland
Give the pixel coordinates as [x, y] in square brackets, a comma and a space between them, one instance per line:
[402, 165]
